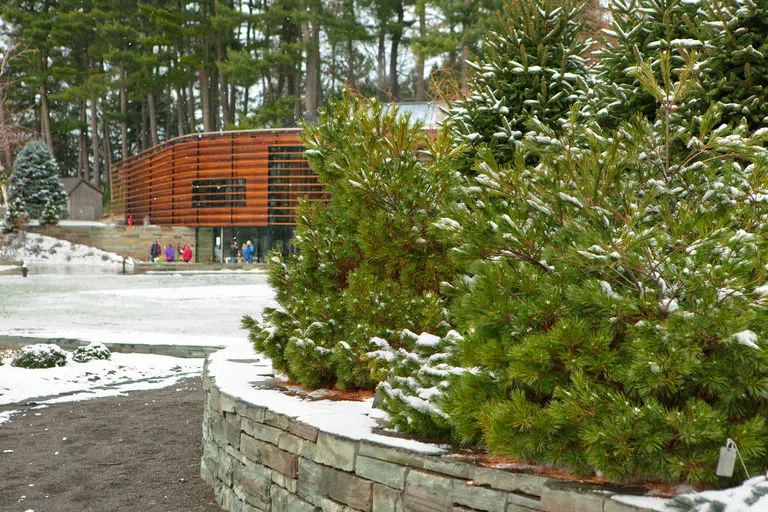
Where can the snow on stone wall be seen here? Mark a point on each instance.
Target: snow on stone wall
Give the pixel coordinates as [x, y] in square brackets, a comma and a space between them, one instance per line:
[257, 459]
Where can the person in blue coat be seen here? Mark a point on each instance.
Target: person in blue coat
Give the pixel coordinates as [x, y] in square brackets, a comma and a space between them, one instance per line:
[248, 252]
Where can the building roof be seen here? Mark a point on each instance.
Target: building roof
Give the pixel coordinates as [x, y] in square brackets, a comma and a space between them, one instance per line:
[428, 113]
[72, 182]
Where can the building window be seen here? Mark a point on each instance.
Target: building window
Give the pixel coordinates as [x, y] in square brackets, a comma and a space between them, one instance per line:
[289, 179]
[218, 193]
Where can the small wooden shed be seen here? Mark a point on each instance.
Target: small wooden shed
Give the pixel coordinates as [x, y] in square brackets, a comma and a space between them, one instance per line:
[84, 200]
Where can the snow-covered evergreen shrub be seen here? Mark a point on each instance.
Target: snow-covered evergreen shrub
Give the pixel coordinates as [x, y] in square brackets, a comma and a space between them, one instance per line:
[40, 355]
[369, 264]
[643, 30]
[91, 351]
[413, 378]
[614, 297]
[35, 179]
[736, 72]
[533, 66]
[50, 214]
[16, 216]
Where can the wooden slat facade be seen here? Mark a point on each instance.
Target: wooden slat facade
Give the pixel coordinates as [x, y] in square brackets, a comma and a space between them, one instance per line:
[244, 178]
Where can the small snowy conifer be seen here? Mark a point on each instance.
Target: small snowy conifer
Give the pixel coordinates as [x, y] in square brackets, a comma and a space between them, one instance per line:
[50, 213]
[35, 178]
[532, 67]
[613, 303]
[16, 216]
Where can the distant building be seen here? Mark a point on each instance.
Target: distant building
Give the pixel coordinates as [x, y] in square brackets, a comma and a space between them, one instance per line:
[231, 187]
[84, 200]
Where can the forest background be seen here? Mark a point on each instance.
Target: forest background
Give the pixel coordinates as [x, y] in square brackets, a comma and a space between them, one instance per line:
[100, 80]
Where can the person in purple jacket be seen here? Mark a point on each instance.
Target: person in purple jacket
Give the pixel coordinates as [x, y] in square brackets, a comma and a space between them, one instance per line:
[169, 253]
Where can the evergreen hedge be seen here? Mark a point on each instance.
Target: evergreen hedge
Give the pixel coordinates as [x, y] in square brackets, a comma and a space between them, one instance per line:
[570, 284]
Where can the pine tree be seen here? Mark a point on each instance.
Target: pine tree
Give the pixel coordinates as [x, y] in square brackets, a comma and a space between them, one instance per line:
[16, 216]
[35, 179]
[369, 264]
[613, 302]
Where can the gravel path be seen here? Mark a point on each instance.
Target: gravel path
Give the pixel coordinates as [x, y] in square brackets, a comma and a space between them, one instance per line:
[139, 452]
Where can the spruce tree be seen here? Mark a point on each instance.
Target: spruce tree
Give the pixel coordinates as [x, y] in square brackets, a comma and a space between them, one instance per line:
[50, 214]
[613, 302]
[16, 216]
[368, 262]
[35, 179]
[737, 69]
[643, 30]
[532, 66]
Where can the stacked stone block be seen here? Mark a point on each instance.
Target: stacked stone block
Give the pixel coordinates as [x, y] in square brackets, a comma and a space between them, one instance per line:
[260, 461]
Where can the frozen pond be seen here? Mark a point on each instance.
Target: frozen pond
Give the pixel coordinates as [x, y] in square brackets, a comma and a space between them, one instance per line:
[190, 308]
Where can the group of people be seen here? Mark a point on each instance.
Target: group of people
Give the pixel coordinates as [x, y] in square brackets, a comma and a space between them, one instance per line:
[184, 254]
[242, 255]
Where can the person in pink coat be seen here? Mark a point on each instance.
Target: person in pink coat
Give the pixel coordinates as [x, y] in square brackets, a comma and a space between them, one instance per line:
[187, 254]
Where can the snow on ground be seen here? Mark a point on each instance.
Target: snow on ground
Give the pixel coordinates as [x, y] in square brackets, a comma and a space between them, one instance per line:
[93, 379]
[96, 303]
[31, 248]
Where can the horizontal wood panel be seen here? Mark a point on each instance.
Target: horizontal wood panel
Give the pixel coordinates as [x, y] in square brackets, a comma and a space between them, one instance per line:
[217, 179]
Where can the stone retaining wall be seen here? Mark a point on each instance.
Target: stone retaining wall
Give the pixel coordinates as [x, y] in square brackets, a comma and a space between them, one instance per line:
[259, 460]
[133, 241]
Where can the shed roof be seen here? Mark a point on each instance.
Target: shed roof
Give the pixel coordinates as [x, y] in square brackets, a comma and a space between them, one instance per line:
[72, 182]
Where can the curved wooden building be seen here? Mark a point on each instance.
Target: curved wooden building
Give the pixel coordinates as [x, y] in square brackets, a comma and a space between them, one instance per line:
[230, 186]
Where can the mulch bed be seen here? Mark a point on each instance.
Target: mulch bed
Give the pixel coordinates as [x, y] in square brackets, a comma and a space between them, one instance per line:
[135, 452]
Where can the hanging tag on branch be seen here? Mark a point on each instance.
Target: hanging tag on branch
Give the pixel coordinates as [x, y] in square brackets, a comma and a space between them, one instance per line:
[727, 460]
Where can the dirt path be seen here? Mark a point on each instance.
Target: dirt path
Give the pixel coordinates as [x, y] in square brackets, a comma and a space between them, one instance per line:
[139, 452]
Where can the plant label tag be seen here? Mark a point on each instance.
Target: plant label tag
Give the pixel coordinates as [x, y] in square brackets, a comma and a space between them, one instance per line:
[726, 462]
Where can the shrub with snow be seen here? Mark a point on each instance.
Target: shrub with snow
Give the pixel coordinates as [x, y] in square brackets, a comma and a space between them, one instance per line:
[41, 355]
[91, 351]
[369, 263]
[413, 379]
[35, 179]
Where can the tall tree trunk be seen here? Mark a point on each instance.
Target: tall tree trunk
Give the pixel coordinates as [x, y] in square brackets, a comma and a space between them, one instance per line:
[232, 104]
[191, 107]
[397, 36]
[381, 79]
[144, 129]
[204, 99]
[123, 116]
[179, 111]
[349, 15]
[5, 150]
[311, 36]
[246, 99]
[94, 144]
[107, 155]
[421, 11]
[167, 109]
[45, 119]
[152, 107]
[223, 85]
[82, 155]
